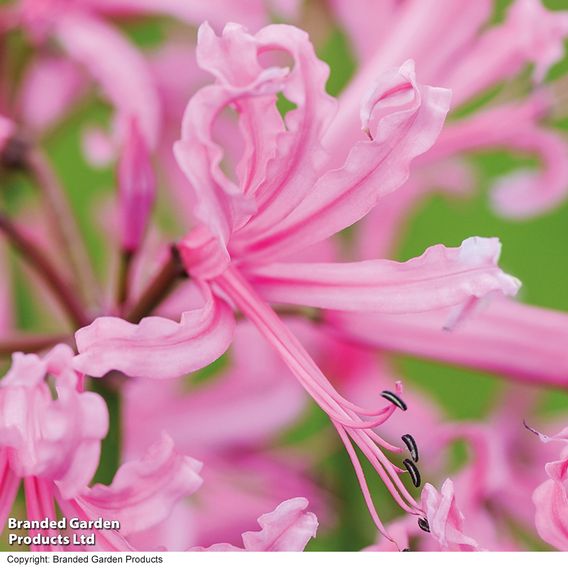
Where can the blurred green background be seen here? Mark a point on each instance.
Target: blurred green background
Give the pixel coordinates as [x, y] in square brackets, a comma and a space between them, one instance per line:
[534, 250]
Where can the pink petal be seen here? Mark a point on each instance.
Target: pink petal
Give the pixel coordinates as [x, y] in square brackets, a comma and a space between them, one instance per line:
[441, 277]
[143, 492]
[59, 439]
[392, 32]
[50, 87]
[9, 484]
[445, 519]
[286, 529]
[409, 118]
[530, 34]
[508, 338]
[156, 347]
[551, 502]
[137, 188]
[221, 205]
[106, 54]
[252, 13]
[242, 407]
[514, 127]
[298, 154]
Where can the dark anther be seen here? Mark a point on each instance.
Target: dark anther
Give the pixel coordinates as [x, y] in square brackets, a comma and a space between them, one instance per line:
[394, 399]
[424, 524]
[15, 153]
[410, 443]
[405, 550]
[414, 473]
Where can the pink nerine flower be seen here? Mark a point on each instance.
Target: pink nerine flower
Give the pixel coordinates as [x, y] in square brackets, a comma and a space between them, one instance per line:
[53, 446]
[282, 200]
[551, 497]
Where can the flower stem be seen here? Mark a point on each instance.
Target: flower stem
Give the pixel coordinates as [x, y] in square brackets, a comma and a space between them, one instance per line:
[38, 260]
[62, 222]
[29, 343]
[124, 270]
[159, 288]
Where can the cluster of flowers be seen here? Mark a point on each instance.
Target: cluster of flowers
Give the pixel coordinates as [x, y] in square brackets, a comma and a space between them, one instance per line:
[263, 170]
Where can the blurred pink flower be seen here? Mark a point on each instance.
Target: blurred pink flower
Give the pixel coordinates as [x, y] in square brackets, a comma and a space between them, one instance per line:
[472, 58]
[551, 497]
[52, 445]
[286, 529]
[231, 423]
[445, 520]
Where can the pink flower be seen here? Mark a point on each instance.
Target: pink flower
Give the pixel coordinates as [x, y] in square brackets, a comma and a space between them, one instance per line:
[53, 446]
[283, 201]
[551, 497]
[231, 422]
[286, 529]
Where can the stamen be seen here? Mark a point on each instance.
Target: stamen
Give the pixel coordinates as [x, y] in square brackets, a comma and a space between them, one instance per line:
[414, 473]
[396, 400]
[410, 443]
[530, 429]
[424, 524]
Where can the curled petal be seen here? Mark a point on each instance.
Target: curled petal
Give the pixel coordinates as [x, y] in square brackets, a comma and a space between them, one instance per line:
[143, 492]
[526, 193]
[441, 277]
[514, 127]
[409, 118]
[445, 519]
[156, 348]
[286, 529]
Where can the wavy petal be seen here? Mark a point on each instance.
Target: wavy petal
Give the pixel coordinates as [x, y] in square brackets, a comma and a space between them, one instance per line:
[441, 277]
[286, 529]
[143, 492]
[156, 347]
[409, 118]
